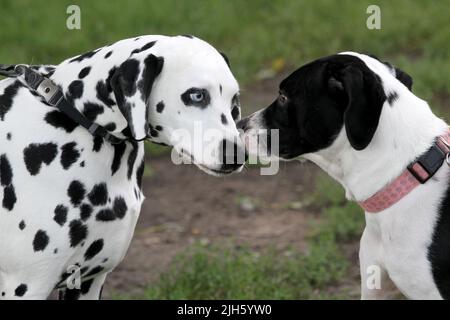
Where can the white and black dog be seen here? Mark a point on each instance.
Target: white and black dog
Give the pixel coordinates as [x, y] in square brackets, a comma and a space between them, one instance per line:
[357, 118]
[70, 200]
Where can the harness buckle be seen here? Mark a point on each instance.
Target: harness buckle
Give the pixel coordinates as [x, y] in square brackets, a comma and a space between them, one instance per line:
[47, 89]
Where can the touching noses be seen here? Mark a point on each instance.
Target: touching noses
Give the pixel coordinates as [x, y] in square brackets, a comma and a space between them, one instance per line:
[233, 156]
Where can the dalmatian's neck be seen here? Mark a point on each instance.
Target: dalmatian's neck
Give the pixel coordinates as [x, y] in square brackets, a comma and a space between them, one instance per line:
[85, 80]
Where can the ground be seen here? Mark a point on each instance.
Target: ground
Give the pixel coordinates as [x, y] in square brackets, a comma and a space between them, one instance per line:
[246, 208]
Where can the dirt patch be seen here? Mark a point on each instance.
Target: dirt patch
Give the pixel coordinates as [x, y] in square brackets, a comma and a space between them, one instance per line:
[184, 205]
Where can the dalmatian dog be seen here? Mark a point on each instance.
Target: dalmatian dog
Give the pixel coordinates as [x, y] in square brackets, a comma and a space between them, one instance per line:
[69, 200]
[356, 118]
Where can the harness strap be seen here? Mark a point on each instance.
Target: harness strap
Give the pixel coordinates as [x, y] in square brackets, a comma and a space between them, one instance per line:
[53, 95]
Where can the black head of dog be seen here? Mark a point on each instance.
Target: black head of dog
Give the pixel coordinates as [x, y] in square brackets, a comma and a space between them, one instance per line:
[316, 101]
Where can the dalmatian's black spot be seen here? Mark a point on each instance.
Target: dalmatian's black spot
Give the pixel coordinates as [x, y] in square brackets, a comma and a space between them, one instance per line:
[105, 215]
[5, 171]
[40, 240]
[94, 271]
[392, 97]
[148, 45]
[105, 260]
[85, 286]
[187, 36]
[21, 290]
[160, 107]
[71, 294]
[9, 197]
[132, 159]
[158, 128]
[108, 55]
[110, 126]
[76, 192]
[83, 56]
[36, 154]
[98, 142]
[223, 118]
[136, 39]
[93, 249]
[119, 150]
[99, 194]
[7, 98]
[69, 155]
[60, 214]
[22, 225]
[153, 132]
[82, 164]
[220, 89]
[76, 89]
[120, 207]
[140, 173]
[3, 293]
[103, 93]
[60, 121]
[78, 232]
[8, 136]
[143, 48]
[235, 112]
[84, 72]
[92, 110]
[85, 211]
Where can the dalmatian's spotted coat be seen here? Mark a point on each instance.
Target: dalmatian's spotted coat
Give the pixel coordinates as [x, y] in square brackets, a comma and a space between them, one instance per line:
[71, 200]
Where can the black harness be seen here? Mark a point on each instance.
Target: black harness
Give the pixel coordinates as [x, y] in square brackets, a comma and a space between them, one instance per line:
[54, 96]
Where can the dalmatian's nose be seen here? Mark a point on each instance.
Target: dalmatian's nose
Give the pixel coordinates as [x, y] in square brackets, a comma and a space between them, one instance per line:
[233, 156]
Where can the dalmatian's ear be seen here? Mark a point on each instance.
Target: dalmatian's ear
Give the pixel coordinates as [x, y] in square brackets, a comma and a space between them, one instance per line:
[132, 84]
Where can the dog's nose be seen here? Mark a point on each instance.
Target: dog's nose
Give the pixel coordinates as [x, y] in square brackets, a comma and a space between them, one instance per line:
[243, 124]
[233, 156]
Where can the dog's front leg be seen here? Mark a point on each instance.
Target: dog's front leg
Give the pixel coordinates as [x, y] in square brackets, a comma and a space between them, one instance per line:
[90, 290]
[375, 280]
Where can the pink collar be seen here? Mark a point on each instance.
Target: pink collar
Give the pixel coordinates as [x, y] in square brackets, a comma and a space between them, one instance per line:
[417, 173]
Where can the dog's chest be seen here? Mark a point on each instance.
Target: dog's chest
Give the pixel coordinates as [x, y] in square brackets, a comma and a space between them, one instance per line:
[405, 234]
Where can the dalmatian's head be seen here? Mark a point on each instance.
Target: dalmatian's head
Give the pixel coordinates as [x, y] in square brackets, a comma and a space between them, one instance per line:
[185, 97]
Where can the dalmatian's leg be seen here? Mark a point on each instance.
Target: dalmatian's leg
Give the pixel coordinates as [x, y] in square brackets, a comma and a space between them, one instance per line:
[89, 290]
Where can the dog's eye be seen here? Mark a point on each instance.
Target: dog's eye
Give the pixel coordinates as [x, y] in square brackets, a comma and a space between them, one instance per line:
[282, 99]
[197, 96]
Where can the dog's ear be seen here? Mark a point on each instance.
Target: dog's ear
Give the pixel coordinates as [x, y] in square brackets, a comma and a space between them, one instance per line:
[404, 78]
[401, 75]
[364, 98]
[226, 59]
[132, 84]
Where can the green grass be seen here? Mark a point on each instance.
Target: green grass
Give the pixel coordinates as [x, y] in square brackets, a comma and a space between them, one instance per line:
[415, 34]
[229, 272]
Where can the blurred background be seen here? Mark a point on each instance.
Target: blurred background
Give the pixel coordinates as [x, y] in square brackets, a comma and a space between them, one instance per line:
[288, 236]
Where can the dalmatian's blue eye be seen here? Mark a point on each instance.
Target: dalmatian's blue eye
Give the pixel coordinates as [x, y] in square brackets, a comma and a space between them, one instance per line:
[196, 97]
